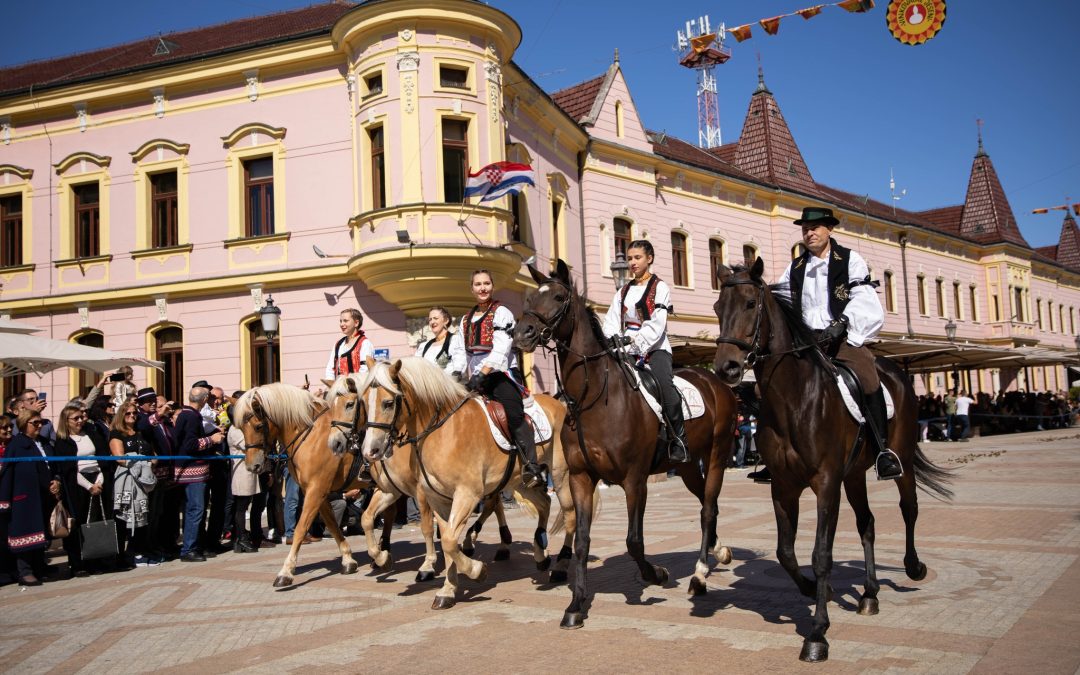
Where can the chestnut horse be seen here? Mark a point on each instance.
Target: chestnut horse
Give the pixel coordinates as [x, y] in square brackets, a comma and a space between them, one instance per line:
[281, 413]
[611, 432]
[412, 402]
[808, 439]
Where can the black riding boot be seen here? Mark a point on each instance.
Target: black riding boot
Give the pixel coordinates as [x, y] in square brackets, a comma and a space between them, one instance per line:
[887, 463]
[677, 449]
[532, 473]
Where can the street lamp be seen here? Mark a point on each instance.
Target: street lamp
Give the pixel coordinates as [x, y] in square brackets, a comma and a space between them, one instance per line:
[270, 316]
[620, 270]
[950, 330]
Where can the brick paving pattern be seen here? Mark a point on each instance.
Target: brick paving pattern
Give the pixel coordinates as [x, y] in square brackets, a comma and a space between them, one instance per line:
[1002, 595]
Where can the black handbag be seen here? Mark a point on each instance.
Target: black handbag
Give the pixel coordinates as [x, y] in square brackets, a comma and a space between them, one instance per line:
[98, 538]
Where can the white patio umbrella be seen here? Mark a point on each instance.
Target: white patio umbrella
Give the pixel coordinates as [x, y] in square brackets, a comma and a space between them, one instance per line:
[23, 353]
[9, 326]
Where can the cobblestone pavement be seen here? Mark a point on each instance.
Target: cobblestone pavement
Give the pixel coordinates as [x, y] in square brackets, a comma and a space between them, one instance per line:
[1002, 595]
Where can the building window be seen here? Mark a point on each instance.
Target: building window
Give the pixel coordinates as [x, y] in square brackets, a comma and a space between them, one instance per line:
[169, 347]
[958, 308]
[519, 210]
[11, 230]
[11, 385]
[87, 220]
[620, 230]
[455, 156]
[257, 348]
[1038, 313]
[1061, 318]
[797, 250]
[749, 254]
[86, 379]
[618, 119]
[940, 287]
[679, 272]
[259, 197]
[453, 77]
[922, 295]
[1018, 304]
[556, 221]
[995, 302]
[163, 210]
[716, 259]
[890, 292]
[1072, 320]
[378, 168]
[373, 85]
[973, 303]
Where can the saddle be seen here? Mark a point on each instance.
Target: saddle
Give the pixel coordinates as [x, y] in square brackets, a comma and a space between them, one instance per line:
[693, 405]
[500, 426]
[854, 396]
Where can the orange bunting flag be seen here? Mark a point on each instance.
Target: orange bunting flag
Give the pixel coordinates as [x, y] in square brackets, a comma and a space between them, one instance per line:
[809, 12]
[1040, 210]
[771, 26]
[740, 33]
[702, 42]
[856, 5]
[1076, 208]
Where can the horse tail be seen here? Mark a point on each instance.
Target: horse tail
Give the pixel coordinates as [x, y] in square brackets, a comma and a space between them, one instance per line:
[560, 522]
[931, 478]
[524, 503]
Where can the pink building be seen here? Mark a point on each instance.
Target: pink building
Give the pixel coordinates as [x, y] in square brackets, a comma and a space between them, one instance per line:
[152, 201]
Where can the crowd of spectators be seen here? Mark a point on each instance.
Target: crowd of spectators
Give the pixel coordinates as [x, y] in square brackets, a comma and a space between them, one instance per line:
[953, 416]
[162, 508]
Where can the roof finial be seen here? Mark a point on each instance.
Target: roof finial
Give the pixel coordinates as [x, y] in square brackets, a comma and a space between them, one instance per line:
[616, 55]
[982, 150]
[760, 76]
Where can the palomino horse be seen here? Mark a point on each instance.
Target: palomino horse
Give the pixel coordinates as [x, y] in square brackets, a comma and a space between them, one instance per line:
[281, 413]
[808, 439]
[611, 433]
[413, 403]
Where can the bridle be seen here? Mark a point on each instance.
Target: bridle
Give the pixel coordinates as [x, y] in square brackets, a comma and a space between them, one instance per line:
[393, 435]
[354, 434]
[298, 438]
[754, 350]
[547, 333]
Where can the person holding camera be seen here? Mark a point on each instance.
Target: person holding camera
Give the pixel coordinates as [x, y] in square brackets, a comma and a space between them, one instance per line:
[31, 400]
[123, 386]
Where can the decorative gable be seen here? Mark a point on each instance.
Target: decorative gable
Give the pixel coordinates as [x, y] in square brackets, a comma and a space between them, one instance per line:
[987, 217]
[767, 149]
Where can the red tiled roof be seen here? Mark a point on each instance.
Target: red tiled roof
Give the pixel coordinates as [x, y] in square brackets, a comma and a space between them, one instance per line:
[190, 44]
[578, 100]
[988, 218]
[726, 152]
[1048, 252]
[766, 147]
[679, 150]
[1068, 248]
[946, 218]
[871, 207]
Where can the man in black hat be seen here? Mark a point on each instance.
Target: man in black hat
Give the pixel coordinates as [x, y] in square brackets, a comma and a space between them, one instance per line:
[145, 407]
[831, 286]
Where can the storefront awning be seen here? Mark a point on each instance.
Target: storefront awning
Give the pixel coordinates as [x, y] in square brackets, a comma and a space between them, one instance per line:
[921, 356]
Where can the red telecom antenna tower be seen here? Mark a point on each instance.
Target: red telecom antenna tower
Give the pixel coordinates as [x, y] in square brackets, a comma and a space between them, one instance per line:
[702, 49]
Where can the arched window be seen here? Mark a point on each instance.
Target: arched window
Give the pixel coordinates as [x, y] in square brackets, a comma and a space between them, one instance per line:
[258, 351]
[922, 295]
[10, 386]
[679, 271]
[797, 250]
[620, 229]
[716, 259]
[618, 119]
[890, 292]
[169, 349]
[749, 254]
[84, 380]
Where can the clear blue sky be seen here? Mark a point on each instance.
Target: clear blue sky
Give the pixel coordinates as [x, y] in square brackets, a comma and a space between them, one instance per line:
[858, 101]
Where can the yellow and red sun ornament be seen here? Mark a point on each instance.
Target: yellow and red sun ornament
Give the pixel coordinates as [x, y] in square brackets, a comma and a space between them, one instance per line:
[913, 22]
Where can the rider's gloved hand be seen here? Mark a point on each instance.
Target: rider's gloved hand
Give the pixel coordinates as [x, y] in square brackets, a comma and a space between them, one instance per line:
[835, 332]
[476, 382]
[617, 342]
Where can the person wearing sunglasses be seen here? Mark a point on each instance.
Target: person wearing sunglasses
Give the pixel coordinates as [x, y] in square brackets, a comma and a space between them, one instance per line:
[133, 480]
[28, 493]
[80, 480]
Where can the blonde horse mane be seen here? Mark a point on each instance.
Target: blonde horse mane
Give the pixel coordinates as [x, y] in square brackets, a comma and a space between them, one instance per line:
[429, 383]
[341, 386]
[283, 404]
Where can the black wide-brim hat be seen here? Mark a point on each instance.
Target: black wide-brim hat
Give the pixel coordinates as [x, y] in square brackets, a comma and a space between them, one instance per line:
[146, 394]
[202, 384]
[817, 215]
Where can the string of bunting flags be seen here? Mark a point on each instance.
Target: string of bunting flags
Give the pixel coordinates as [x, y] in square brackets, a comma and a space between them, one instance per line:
[912, 22]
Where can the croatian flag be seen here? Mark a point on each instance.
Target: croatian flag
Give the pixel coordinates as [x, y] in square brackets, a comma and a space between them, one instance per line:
[499, 179]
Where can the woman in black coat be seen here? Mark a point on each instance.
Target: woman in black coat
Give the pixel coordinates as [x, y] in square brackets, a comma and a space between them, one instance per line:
[28, 493]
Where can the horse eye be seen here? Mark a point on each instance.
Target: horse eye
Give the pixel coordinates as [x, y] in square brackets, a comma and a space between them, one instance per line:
[560, 298]
[388, 404]
[750, 304]
[350, 405]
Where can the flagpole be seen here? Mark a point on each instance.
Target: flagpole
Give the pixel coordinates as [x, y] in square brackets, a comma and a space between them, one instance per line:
[462, 207]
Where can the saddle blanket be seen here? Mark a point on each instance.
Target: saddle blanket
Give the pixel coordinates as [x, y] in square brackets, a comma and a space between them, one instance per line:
[540, 423]
[692, 403]
[853, 407]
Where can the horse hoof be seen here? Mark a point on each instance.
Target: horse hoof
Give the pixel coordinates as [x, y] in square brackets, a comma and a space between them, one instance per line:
[544, 565]
[442, 602]
[723, 556]
[282, 581]
[386, 565]
[661, 575]
[814, 652]
[428, 575]
[502, 554]
[917, 573]
[572, 620]
[697, 586]
[868, 606]
[350, 567]
[557, 577]
[482, 575]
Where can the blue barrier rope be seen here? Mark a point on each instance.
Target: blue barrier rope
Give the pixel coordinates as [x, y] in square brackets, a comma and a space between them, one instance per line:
[119, 458]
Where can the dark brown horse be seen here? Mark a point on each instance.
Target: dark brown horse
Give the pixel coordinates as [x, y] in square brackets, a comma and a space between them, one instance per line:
[600, 445]
[808, 439]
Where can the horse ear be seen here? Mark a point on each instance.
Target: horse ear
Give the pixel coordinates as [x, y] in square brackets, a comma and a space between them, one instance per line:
[539, 278]
[756, 269]
[395, 369]
[256, 407]
[562, 272]
[722, 272]
[350, 384]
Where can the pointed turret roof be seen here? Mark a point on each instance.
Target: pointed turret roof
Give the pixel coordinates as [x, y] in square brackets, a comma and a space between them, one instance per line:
[988, 218]
[1068, 248]
[766, 149]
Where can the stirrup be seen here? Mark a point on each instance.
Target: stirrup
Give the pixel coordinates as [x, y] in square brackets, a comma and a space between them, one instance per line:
[877, 460]
[532, 474]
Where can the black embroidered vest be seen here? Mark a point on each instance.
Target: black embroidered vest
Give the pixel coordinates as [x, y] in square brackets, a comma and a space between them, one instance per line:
[645, 305]
[839, 288]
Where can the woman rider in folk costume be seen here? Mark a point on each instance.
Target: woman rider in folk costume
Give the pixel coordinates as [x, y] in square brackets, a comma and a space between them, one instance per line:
[351, 352]
[444, 349]
[637, 322]
[487, 331]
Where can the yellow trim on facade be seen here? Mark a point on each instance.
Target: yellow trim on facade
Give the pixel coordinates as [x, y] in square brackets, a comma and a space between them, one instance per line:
[244, 130]
[26, 191]
[67, 279]
[367, 189]
[146, 259]
[66, 210]
[234, 168]
[255, 246]
[73, 373]
[468, 65]
[152, 376]
[143, 150]
[82, 157]
[473, 135]
[144, 192]
[23, 173]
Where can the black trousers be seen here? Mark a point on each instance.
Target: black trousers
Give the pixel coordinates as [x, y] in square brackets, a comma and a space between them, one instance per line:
[500, 387]
[219, 488]
[661, 366]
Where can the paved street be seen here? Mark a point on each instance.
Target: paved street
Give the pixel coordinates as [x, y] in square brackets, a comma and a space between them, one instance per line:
[1002, 595]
